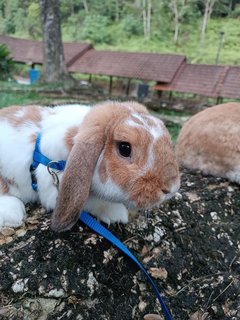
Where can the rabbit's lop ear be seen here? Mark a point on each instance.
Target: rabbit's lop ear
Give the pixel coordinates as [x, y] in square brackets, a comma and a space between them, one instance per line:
[76, 182]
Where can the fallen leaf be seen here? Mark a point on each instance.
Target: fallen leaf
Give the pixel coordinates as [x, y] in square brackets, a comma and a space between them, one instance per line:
[4, 311]
[152, 317]
[198, 315]
[8, 239]
[21, 232]
[2, 241]
[158, 273]
[192, 197]
[7, 231]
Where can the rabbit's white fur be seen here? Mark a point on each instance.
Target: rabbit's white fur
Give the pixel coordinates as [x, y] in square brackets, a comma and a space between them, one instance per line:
[12, 211]
[16, 153]
[17, 132]
[53, 128]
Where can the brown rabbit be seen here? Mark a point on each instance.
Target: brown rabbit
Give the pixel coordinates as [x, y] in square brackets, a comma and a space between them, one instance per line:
[210, 142]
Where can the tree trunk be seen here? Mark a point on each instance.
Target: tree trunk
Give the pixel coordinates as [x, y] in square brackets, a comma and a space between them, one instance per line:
[207, 14]
[146, 7]
[85, 4]
[176, 20]
[54, 62]
[149, 9]
[117, 15]
[144, 18]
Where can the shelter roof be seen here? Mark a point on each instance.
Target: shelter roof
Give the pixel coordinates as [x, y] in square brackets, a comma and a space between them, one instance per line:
[201, 79]
[29, 51]
[135, 65]
[231, 84]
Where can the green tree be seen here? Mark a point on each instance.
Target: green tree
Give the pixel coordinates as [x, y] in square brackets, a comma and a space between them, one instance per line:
[10, 10]
[208, 9]
[95, 29]
[131, 25]
[6, 63]
[33, 20]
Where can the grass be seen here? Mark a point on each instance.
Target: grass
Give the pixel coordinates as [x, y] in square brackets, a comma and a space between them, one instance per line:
[12, 93]
[18, 98]
[174, 131]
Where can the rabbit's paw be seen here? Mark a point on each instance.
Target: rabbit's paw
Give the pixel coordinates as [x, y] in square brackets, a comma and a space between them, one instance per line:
[114, 212]
[12, 211]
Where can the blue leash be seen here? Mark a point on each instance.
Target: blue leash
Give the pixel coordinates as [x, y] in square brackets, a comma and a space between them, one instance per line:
[102, 231]
[39, 158]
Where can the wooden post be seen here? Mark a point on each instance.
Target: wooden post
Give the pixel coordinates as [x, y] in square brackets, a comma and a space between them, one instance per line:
[128, 86]
[110, 85]
[219, 100]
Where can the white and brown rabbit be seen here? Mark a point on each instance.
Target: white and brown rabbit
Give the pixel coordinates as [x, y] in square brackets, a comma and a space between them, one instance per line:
[210, 142]
[118, 157]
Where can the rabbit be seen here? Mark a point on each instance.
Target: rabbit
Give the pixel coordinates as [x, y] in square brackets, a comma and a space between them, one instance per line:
[210, 142]
[118, 157]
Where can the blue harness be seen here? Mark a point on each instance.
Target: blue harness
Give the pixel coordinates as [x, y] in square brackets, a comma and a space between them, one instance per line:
[39, 158]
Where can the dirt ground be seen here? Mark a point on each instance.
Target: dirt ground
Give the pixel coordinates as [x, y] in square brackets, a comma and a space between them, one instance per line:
[190, 246]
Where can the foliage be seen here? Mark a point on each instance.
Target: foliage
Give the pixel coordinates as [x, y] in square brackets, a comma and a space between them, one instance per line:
[5, 62]
[95, 29]
[236, 13]
[222, 8]
[132, 26]
[73, 27]
[33, 20]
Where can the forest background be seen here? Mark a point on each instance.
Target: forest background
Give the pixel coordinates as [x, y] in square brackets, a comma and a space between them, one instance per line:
[206, 31]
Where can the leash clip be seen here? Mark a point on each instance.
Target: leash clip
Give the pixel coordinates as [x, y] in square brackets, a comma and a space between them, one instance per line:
[53, 173]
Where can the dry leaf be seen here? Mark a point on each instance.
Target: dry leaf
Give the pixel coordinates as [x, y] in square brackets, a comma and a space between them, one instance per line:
[33, 220]
[192, 197]
[2, 241]
[21, 232]
[7, 231]
[152, 317]
[158, 273]
[4, 312]
[32, 227]
[198, 315]
[145, 250]
[8, 239]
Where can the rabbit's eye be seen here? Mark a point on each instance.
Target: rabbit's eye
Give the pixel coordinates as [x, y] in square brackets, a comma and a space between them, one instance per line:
[124, 149]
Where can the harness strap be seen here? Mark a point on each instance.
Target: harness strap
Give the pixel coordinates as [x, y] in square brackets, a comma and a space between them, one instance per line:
[39, 158]
[102, 231]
